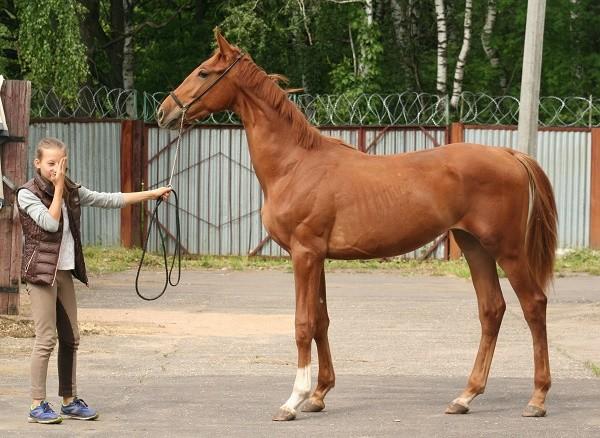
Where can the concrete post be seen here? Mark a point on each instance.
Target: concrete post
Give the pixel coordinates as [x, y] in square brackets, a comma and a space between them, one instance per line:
[530, 80]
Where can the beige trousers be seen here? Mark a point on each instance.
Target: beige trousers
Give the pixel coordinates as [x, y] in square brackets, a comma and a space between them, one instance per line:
[54, 311]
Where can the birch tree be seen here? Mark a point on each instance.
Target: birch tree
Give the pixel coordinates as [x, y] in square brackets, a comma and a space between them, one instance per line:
[459, 72]
[490, 52]
[128, 57]
[442, 48]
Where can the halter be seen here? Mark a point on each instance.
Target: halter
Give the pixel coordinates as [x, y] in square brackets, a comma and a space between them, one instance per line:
[185, 107]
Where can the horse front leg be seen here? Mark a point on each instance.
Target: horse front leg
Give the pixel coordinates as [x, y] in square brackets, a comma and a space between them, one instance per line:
[326, 380]
[308, 266]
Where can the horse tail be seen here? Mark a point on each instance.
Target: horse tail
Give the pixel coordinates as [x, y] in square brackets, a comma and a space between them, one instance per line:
[540, 235]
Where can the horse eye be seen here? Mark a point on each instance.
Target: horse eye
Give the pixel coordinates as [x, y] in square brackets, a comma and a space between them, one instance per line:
[203, 74]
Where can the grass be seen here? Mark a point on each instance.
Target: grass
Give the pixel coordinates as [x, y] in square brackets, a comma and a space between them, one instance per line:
[594, 368]
[579, 261]
[101, 260]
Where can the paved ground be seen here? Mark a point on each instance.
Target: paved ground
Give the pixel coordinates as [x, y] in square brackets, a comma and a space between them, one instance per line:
[216, 356]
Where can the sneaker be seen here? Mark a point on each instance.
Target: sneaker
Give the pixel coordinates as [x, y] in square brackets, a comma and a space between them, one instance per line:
[44, 414]
[78, 410]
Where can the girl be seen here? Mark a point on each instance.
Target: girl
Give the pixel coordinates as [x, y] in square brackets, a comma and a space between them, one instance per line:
[50, 210]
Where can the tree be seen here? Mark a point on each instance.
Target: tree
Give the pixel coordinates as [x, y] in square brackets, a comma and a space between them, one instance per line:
[462, 57]
[442, 48]
[50, 49]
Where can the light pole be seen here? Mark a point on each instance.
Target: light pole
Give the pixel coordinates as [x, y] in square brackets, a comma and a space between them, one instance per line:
[530, 80]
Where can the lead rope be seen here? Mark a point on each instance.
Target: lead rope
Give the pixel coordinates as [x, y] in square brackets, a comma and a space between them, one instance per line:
[153, 219]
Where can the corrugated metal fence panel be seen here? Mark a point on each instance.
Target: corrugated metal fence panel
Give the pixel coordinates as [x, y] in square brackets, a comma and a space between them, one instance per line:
[397, 141]
[348, 135]
[220, 197]
[492, 137]
[401, 140]
[565, 156]
[94, 161]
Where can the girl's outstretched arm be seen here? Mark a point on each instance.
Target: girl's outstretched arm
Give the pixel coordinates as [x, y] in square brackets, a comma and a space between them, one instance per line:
[135, 197]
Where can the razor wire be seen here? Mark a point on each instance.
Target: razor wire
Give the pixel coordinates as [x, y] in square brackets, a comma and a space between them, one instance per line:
[397, 109]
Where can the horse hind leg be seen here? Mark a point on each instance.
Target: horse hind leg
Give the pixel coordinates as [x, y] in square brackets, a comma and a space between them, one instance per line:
[491, 307]
[533, 302]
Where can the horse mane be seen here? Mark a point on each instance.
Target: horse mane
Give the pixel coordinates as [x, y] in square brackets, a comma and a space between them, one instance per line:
[267, 87]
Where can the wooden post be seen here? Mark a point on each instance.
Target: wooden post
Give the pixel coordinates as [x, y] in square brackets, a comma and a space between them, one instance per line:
[595, 190]
[362, 140]
[457, 133]
[16, 98]
[134, 158]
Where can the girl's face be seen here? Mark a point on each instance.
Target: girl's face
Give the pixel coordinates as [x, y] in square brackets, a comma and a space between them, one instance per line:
[48, 164]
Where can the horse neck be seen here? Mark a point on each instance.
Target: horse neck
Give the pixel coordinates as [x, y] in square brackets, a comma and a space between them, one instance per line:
[273, 148]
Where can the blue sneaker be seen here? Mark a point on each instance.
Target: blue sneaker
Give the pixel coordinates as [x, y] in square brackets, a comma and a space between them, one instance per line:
[78, 410]
[44, 414]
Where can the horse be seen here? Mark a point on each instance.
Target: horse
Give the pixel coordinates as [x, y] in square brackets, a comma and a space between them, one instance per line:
[324, 199]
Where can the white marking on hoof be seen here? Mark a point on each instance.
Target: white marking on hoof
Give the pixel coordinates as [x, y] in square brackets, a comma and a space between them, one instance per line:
[464, 401]
[301, 390]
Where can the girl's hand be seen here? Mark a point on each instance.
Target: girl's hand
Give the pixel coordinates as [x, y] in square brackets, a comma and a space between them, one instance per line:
[58, 175]
[161, 192]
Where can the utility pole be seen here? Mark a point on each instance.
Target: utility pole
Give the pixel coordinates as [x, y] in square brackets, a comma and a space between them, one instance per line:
[530, 80]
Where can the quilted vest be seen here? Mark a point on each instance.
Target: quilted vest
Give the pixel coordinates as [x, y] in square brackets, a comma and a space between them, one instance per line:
[41, 247]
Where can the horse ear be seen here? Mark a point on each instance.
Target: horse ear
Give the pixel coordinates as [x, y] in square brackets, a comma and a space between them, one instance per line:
[225, 48]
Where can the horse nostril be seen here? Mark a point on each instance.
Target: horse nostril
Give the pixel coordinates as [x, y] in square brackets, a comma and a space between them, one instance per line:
[160, 114]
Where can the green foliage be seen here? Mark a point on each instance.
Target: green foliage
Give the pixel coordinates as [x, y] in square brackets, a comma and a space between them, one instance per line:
[579, 261]
[358, 75]
[595, 369]
[247, 28]
[308, 41]
[51, 50]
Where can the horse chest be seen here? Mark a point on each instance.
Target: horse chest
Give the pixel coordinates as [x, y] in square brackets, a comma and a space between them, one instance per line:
[275, 224]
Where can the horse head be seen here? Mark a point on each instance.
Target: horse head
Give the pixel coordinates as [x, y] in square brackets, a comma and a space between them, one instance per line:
[206, 90]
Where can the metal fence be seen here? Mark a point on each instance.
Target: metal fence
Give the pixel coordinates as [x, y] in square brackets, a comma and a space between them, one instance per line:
[219, 195]
[565, 156]
[94, 161]
[395, 109]
[221, 198]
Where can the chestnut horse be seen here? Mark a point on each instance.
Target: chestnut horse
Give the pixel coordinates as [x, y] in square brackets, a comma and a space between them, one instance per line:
[324, 199]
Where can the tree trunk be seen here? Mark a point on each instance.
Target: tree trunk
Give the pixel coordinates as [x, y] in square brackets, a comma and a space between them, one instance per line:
[363, 67]
[128, 58]
[490, 52]
[459, 72]
[442, 48]
[404, 21]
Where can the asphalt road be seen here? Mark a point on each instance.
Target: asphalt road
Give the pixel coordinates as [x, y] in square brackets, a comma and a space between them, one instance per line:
[216, 357]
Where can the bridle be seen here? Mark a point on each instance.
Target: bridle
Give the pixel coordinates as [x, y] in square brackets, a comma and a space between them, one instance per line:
[154, 216]
[185, 107]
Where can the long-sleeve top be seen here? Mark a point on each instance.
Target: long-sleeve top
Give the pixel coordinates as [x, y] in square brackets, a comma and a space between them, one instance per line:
[33, 206]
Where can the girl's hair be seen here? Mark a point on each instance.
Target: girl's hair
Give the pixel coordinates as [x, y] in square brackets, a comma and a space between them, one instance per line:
[49, 143]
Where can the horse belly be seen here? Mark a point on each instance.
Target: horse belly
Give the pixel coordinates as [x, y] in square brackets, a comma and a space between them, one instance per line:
[353, 240]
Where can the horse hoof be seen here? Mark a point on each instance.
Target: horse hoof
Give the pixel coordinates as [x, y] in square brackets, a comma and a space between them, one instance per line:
[284, 415]
[533, 411]
[456, 408]
[313, 405]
